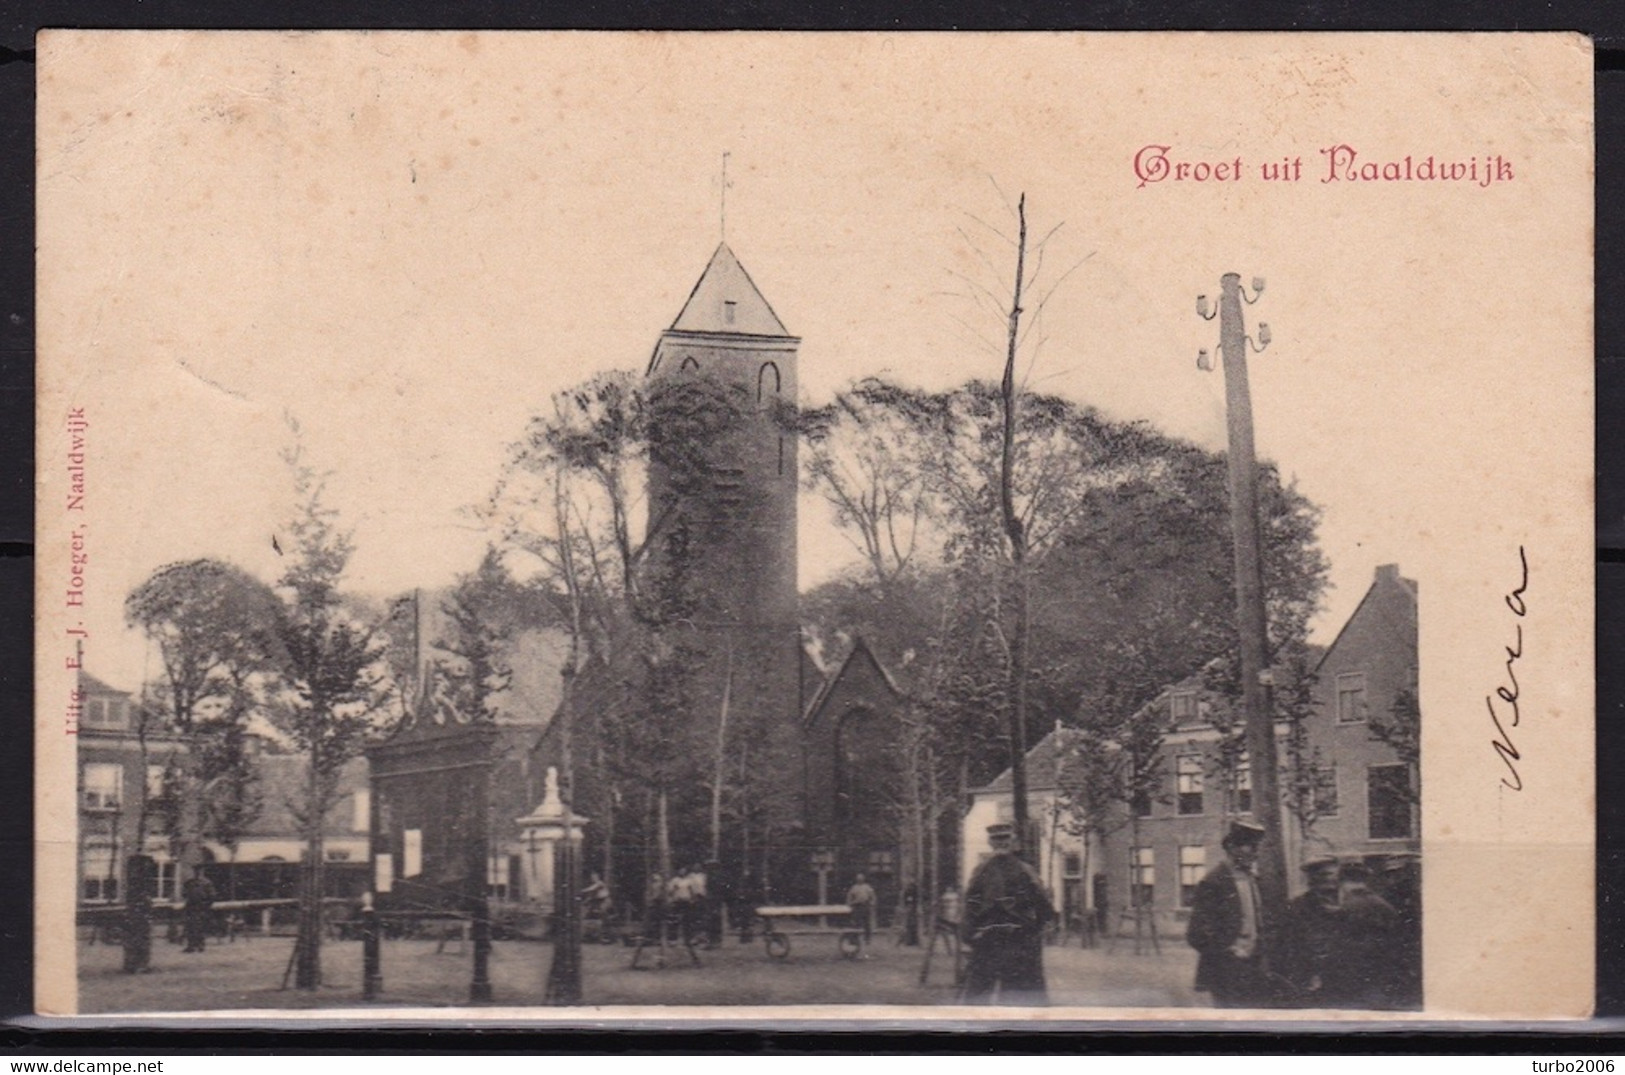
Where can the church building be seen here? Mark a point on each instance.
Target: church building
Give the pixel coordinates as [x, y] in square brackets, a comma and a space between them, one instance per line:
[736, 524]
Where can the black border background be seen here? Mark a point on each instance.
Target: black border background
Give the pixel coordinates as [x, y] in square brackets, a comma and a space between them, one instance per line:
[18, 24]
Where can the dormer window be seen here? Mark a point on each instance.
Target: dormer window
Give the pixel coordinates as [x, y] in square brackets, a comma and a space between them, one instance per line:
[728, 311]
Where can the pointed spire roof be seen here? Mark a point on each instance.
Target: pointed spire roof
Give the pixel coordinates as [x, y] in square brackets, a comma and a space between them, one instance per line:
[725, 300]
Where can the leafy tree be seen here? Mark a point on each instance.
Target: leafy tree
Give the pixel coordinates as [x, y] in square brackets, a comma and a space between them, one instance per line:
[213, 627]
[333, 681]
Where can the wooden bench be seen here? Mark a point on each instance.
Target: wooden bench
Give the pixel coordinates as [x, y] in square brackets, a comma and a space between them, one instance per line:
[779, 924]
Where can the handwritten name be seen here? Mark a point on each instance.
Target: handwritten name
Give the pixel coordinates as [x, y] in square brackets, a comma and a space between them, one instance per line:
[1507, 692]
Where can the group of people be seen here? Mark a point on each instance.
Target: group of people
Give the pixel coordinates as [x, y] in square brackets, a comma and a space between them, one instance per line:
[690, 909]
[1352, 940]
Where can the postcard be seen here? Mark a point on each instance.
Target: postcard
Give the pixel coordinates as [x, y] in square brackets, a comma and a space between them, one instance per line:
[771, 529]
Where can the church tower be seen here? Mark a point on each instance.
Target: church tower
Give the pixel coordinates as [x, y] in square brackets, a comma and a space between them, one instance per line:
[738, 518]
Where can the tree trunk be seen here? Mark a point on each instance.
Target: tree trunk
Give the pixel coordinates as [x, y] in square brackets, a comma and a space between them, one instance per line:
[663, 849]
[308, 965]
[718, 774]
[935, 837]
[1016, 533]
[564, 978]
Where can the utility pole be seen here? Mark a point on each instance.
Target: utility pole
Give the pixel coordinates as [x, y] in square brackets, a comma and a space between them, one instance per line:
[1257, 695]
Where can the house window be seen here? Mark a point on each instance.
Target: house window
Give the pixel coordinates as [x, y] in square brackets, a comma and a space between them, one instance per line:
[1192, 864]
[1141, 803]
[1182, 705]
[1244, 785]
[1189, 773]
[1350, 697]
[104, 713]
[1072, 866]
[165, 881]
[155, 781]
[104, 786]
[361, 820]
[99, 875]
[1143, 877]
[1388, 801]
[880, 862]
[498, 875]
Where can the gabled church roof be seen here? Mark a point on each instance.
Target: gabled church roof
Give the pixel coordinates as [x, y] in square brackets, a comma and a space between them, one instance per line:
[860, 652]
[726, 300]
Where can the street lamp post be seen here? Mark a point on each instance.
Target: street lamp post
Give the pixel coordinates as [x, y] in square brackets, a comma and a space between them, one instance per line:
[1250, 619]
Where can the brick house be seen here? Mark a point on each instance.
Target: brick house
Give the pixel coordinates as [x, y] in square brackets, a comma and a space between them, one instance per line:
[120, 772]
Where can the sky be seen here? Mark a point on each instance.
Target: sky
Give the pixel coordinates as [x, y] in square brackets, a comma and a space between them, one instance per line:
[408, 243]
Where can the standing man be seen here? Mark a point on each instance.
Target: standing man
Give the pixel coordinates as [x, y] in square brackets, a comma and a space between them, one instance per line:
[1402, 888]
[1370, 930]
[1311, 941]
[198, 895]
[1227, 921]
[1006, 910]
[861, 898]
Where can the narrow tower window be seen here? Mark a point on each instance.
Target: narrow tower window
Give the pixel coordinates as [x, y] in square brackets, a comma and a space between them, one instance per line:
[761, 380]
[728, 310]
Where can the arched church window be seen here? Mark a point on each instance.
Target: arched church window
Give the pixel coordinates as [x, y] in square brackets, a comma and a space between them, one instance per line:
[689, 363]
[761, 380]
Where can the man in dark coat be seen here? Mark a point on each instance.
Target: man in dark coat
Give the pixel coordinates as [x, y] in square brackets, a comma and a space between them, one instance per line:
[1402, 888]
[1006, 910]
[1226, 926]
[1370, 930]
[1311, 938]
[198, 895]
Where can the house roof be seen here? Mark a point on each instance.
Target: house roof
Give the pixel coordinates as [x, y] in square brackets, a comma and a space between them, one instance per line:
[1042, 760]
[1385, 573]
[91, 685]
[726, 300]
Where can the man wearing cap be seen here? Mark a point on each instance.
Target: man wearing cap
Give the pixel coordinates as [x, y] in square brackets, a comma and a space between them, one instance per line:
[1006, 910]
[1226, 926]
[1311, 938]
[1370, 929]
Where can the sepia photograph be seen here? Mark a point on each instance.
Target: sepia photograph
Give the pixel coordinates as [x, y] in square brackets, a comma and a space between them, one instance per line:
[753, 527]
